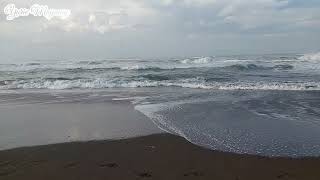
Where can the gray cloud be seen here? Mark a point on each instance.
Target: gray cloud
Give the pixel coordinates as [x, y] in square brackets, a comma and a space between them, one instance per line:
[152, 28]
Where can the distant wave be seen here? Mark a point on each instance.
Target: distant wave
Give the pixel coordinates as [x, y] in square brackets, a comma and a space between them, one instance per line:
[251, 67]
[32, 64]
[202, 60]
[90, 62]
[137, 67]
[283, 67]
[62, 79]
[235, 67]
[243, 67]
[150, 65]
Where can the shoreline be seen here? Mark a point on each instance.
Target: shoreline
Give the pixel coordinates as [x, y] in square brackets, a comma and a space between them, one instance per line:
[158, 156]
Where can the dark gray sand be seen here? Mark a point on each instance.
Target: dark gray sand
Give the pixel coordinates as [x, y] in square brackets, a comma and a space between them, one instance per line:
[161, 156]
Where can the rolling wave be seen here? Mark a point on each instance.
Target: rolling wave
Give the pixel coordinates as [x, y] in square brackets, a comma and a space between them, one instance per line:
[195, 83]
[203, 62]
[311, 57]
[226, 73]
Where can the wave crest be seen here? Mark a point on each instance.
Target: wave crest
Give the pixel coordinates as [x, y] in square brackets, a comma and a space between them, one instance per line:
[311, 57]
[203, 60]
[195, 83]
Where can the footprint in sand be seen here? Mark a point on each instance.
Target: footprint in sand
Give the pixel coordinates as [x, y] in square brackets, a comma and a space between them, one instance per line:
[6, 171]
[193, 173]
[283, 175]
[144, 175]
[110, 165]
[71, 165]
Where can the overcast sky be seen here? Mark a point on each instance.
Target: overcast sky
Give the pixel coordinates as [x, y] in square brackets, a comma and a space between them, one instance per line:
[99, 29]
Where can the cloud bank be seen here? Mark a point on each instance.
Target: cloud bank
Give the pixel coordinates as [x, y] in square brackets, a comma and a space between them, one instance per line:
[129, 28]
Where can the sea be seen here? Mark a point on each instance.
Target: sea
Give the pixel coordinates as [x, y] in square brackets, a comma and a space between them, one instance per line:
[265, 105]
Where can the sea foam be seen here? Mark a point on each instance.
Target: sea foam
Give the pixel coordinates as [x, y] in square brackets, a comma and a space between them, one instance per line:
[311, 57]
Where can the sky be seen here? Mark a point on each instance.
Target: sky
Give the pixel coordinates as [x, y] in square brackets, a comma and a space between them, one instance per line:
[99, 29]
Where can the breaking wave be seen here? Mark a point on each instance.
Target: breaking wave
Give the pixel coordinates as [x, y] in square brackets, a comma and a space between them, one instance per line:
[196, 83]
[310, 57]
[202, 60]
[226, 73]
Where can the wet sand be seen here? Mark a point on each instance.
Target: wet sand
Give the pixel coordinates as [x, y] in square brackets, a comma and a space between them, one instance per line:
[37, 118]
[31, 119]
[160, 156]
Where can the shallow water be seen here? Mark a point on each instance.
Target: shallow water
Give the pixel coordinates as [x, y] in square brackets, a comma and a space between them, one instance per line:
[269, 123]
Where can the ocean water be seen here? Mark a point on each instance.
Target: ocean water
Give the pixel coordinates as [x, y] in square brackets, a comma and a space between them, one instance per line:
[264, 104]
[265, 72]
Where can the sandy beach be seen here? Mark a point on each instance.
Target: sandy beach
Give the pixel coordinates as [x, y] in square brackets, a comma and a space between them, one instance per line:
[160, 90]
[131, 146]
[160, 156]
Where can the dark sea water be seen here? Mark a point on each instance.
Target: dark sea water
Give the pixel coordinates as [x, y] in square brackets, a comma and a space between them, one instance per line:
[266, 105]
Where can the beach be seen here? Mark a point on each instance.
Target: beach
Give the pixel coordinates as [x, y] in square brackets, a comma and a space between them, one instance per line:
[160, 156]
[163, 90]
[264, 123]
[102, 135]
[265, 105]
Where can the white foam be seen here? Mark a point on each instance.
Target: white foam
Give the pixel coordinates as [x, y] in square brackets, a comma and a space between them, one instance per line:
[151, 112]
[311, 57]
[202, 60]
[195, 83]
[168, 125]
[133, 67]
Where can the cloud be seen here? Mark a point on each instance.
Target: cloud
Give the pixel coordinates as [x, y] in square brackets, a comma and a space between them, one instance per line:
[95, 16]
[189, 2]
[207, 15]
[100, 22]
[170, 26]
[251, 14]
